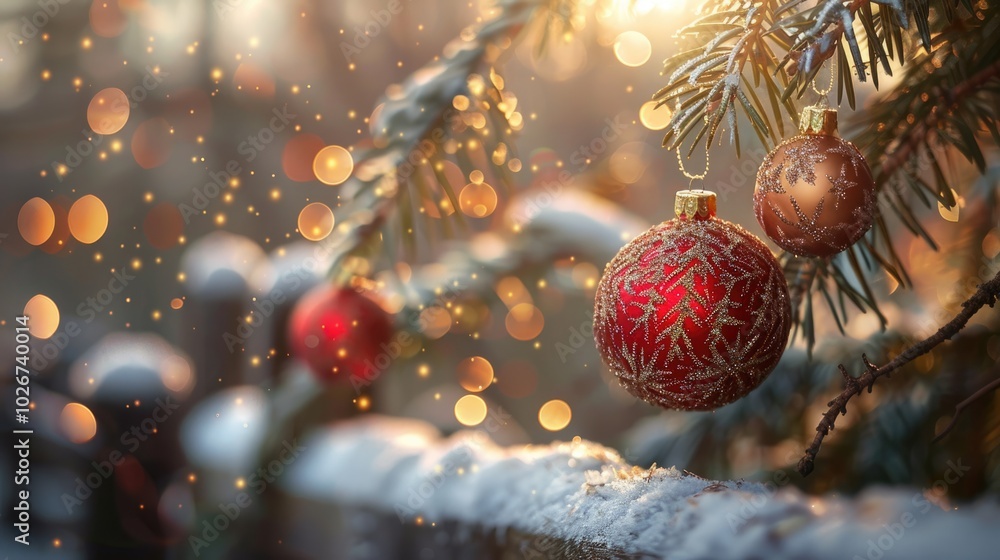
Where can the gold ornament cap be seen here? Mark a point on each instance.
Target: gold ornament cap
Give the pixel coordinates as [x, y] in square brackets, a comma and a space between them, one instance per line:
[817, 119]
[695, 205]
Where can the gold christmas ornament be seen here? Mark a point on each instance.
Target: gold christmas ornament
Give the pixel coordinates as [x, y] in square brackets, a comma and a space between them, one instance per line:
[815, 195]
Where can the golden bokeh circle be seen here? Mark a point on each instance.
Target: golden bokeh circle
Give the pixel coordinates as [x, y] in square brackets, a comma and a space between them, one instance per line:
[43, 316]
[653, 117]
[77, 423]
[316, 221]
[36, 221]
[477, 200]
[108, 111]
[632, 48]
[470, 410]
[333, 165]
[525, 321]
[554, 415]
[475, 374]
[88, 219]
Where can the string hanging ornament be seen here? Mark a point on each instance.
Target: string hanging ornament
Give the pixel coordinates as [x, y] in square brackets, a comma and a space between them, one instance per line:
[815, 195]
[694, 313]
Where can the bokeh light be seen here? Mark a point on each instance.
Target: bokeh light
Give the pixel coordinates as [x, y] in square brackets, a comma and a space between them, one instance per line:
[252, 79]
[632, 48]
[653, 117]
[333, 165]
[475, 374]
[628, 163]
[43, 316]
[316, 221]
[435, 322]
[298, 157]
[478, 200]
[525, 321]
[151, 143]
[108, 111]
[77, 423]
[163, 225]
[88, 219]
[554, 415]
[470, 410]
[107, 18]
[36, 221]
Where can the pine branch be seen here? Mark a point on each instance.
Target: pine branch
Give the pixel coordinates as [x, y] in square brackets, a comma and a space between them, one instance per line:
[420, 124]
[949, 102]
[986, 294]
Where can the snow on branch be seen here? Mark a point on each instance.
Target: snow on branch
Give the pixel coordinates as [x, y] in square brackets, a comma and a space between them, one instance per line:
[581, 492]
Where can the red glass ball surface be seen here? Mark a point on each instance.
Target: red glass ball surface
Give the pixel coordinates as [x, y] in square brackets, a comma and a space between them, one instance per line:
[339, 333]
[693, 314]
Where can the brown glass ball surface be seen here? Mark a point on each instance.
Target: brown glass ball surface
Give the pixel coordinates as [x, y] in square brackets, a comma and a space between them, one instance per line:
[815, 195]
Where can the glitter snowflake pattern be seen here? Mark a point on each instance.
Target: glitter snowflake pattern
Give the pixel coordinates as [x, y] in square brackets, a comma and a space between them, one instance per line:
[840, 186]
[802, 160]
[815, 195]
[693, 314]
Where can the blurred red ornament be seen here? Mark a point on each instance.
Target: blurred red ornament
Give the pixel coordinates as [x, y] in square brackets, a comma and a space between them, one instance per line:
[339, 332]
[694, 313]
[815, 194]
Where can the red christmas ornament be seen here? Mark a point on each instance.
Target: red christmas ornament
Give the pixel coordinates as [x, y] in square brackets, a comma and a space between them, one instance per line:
[694, 313]
[338, 332]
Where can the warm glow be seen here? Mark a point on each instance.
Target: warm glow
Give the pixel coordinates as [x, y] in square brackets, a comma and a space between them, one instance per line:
[77, 423]
[632, 48]
[475, 374]
[470, 410]
[36, 221]
[554, 415]
[525, 321]
[88, 219]
[333, 165]
[653, 117]
[108, 111]
[43, 316]
[316, 221]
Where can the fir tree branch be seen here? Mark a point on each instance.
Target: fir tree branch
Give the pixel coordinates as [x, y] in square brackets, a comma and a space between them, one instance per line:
[918, 135]
[986, 294]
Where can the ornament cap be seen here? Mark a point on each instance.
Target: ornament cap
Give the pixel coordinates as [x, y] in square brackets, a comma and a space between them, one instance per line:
[817, 119]
[696, 205]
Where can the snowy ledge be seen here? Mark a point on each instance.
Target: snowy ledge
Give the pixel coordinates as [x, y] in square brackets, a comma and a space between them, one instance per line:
[585, 493]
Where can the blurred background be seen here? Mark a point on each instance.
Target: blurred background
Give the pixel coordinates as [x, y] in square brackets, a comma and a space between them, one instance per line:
[158, 182]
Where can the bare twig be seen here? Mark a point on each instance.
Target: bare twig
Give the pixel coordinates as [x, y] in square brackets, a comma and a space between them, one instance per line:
[986, 294]
[989, 388]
